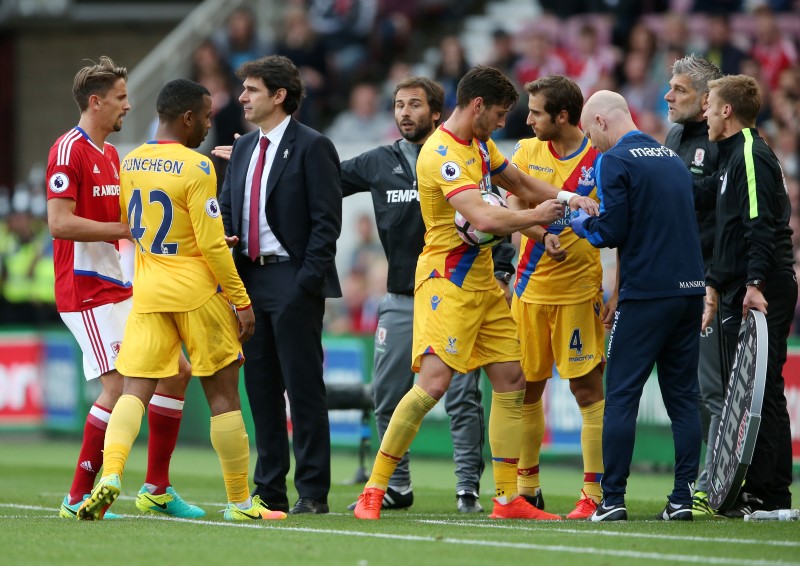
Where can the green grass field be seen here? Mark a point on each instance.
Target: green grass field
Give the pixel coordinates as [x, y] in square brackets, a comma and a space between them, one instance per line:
[35, 476]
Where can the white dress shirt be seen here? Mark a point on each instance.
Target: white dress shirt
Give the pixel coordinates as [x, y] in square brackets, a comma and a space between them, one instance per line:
[268, 243]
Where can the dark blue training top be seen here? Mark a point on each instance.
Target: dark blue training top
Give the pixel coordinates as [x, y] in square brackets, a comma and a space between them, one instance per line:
[647, 212]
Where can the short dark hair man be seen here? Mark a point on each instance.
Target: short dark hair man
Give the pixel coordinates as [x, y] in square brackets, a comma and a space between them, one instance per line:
[389, 173]
[281, 205]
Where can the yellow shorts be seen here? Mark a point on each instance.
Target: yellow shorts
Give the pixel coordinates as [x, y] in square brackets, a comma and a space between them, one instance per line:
[571, 336]
[152, 341]
[466, 329]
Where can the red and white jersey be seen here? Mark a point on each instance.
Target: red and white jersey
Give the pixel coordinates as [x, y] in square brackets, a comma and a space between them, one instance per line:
[88, 274]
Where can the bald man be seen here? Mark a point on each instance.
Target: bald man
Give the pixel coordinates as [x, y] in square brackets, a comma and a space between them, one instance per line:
[647, 213]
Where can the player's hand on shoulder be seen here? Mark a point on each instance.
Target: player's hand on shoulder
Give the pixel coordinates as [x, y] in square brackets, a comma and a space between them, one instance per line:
[549, 211]
[247, 323]
[585, 203]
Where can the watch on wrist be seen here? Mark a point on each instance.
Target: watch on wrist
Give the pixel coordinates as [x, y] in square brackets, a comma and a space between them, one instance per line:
[503, 276]
[757, 283]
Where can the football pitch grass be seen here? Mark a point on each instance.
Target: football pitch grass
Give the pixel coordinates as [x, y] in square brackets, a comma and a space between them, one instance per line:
[36, 474]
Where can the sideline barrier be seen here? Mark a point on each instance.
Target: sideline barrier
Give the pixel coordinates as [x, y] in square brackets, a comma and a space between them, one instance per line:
[42, 389]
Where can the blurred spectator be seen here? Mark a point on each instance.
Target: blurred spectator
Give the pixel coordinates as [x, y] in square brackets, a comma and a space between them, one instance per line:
[673, 44]
[773, 51]
[590, 61]
[392, 30]
[503, 56]
[239, 41]
[539, 57]
[364, 121]
[368, 250]
[344, 27]
[398, 71]
[643, 95]
[452, 66]
[643, 40]
[301, 44]
[721, 50]
[227, 116]
[26, 275]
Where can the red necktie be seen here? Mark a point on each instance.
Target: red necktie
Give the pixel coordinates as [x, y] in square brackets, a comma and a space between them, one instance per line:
[253, 246]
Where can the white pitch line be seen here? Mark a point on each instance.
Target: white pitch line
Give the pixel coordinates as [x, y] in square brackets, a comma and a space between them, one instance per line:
[626, 534]
[275, 526]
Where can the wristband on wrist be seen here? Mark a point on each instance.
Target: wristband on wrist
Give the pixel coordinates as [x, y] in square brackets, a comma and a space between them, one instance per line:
[544, 237]
[564, 196]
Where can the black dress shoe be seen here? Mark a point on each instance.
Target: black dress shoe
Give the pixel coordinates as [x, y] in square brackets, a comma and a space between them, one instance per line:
[308, 505]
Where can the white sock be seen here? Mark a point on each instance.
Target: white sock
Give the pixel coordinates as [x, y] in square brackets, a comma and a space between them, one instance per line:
[244, 505]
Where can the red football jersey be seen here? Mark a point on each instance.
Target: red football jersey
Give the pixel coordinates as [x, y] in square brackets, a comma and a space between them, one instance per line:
[88, 274]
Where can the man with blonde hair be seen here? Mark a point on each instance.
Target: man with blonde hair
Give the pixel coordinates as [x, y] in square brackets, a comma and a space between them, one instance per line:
[752, 268]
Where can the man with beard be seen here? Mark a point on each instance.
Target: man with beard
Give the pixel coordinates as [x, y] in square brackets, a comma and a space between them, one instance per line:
[461, 317]
[389, 174]
[558, 295]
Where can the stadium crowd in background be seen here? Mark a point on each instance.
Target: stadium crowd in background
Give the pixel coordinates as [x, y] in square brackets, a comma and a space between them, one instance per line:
[624, 46]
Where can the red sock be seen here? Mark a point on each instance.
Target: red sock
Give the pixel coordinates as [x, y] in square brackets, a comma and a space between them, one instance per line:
[164, 419]
[90, 460]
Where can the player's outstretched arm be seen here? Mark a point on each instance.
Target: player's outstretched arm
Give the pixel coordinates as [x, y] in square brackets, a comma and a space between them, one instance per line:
[535, 190]
[499, 220]
[64, 224]
[224, 151]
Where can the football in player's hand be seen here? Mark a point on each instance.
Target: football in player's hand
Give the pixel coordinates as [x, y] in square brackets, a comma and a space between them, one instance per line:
[475, 237]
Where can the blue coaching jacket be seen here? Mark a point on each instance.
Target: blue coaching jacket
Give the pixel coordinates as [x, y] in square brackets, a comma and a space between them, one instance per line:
[647, 212]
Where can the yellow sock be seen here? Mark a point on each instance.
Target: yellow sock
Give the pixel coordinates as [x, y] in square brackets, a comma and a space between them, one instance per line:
[229, 439]
[532, 436]
[505, 435]
[592, 446]
[123, 428]
[402, 429]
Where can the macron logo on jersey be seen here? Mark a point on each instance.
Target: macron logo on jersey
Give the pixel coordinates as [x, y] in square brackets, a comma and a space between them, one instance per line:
[442, 150]
[205, 167]
[652, 152]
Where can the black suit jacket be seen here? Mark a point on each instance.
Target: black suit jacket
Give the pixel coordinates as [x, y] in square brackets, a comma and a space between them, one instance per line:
[303, 204]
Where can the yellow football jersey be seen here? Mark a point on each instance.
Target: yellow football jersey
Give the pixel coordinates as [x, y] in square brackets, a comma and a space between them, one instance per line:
[446, 166]
[539, 278]
[168, 197]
